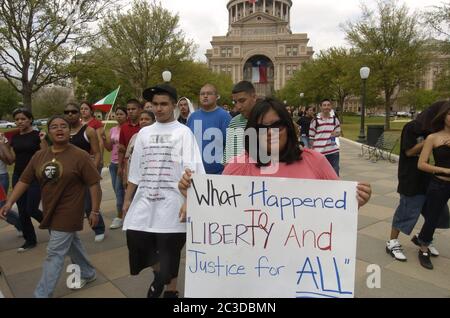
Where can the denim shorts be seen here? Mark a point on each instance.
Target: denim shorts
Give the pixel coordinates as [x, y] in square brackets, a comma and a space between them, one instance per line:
[409, 210]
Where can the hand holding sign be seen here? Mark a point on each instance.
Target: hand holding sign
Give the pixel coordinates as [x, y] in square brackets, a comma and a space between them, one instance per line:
[185, 182]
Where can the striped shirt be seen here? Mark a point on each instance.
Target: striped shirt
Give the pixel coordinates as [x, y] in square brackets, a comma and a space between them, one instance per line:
[320, 134]
[235, 138]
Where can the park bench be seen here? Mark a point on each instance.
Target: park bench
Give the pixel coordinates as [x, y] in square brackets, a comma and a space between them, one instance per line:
[382, 149]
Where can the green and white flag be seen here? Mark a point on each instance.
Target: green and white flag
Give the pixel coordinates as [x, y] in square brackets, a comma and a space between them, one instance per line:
[105, 105]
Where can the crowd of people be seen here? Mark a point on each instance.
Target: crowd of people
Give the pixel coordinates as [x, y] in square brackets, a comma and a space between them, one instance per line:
[155, 147]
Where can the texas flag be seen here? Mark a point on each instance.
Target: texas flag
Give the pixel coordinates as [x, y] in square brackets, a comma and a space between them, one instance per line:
[259, 73]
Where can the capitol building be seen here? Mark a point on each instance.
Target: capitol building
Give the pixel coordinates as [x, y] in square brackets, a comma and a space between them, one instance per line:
[259, 46]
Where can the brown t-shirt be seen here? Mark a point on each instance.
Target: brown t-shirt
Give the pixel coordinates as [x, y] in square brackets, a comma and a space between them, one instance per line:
[63, 178]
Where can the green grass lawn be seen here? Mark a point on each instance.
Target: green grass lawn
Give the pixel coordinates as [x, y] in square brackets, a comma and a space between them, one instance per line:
[351, 127]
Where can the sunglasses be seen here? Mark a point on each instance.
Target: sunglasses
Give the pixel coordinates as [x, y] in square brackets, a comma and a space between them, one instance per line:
[276, 125]
[71, 112]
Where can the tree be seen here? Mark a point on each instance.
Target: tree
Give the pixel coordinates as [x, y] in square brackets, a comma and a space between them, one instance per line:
[94, 79]
[334, 74]
[38, 38]
[438, 19]
[51, 101]
[419, 99]
[189, 77]
[9, 99]
[142, 42]
[391, 44]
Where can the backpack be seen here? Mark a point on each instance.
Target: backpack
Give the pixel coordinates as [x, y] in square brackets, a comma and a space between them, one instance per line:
[317, 122]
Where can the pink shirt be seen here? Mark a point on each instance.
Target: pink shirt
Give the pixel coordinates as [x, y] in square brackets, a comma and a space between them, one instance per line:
[312, 166]
[114, 134]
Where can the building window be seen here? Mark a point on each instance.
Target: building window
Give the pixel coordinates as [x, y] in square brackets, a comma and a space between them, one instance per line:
[226, 51]
[226, 69]
[291, 69]
[288, 70]
[292, 50]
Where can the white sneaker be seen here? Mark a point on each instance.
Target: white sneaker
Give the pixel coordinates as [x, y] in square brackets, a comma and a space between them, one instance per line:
[116, 224]
[99, 238]
[433, 250]
[84, 282]
[394, 248]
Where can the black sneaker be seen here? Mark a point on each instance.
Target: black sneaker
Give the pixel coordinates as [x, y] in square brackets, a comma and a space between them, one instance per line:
[170, 294]
[156, 288]
[424, 258]
[433, 251]
[25, 247]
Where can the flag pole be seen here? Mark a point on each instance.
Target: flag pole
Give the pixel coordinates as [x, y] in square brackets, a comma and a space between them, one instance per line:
[111, 110]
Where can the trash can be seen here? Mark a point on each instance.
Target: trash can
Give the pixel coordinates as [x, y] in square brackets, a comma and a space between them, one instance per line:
[373, 134]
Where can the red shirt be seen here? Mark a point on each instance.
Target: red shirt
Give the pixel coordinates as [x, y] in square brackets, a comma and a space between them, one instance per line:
[127, 131]
[95, 124]
[2, 194]
[10, 134]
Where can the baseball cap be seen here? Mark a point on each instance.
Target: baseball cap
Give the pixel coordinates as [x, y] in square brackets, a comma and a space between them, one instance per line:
[161, 88]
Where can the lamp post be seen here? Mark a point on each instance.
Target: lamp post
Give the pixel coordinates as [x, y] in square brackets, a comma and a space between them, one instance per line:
[364, 72]
[302, 95]
[167, 76]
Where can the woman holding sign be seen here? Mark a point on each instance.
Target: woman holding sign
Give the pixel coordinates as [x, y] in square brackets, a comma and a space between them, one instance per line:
[281, 157]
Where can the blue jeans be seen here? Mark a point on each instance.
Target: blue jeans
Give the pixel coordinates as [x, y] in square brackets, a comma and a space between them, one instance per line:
[100, 227]
[60, 245]
[333, 159]
[305, 141]
[28, 205]
[117, 187]
[12, 217]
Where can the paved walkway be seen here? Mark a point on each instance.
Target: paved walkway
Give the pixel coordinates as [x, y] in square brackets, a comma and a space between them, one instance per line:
[21, 272]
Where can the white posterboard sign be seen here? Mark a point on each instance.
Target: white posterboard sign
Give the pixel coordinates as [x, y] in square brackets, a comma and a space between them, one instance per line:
[253, 237]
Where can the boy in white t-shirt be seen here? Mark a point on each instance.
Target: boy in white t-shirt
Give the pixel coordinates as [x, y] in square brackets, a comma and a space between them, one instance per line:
[155, 233]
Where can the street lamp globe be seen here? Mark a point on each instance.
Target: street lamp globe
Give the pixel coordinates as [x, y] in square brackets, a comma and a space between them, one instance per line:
[167, 76]
[302, 95]
[364, 72]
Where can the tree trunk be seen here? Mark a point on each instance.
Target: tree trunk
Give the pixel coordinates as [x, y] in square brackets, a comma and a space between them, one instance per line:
[26, 97]
[388, 113]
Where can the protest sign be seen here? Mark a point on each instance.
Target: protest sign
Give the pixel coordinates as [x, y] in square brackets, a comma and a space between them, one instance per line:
[254, 237]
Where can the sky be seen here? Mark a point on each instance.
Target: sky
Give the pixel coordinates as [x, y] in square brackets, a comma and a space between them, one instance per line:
[200, 20]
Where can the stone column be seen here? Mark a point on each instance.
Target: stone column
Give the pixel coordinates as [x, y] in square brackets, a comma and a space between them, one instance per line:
[273, 9]
[264, 6]
[245, 14]
[289, 16]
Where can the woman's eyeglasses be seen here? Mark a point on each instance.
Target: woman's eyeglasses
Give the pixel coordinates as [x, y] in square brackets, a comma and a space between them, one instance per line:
[71, 112]
[276, 125]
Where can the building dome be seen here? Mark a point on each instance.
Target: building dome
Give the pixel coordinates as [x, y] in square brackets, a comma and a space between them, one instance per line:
[241, 9]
